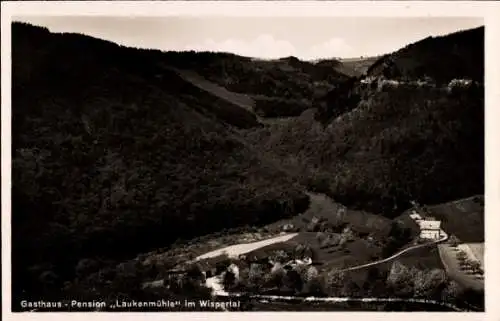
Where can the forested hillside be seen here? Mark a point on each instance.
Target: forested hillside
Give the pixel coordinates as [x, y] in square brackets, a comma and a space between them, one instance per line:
[113, 155]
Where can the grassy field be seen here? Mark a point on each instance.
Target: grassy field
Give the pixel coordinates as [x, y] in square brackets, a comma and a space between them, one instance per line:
[117, 154]
[241, 100]
[355, 252]
[464, 218]
[323, 207]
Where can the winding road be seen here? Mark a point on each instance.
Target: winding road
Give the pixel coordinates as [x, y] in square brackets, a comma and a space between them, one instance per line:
[218, 290]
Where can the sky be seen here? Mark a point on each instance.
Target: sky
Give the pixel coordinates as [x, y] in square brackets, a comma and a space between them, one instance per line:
[306, 38]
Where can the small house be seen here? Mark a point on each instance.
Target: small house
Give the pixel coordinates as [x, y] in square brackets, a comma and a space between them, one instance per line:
[415, 216]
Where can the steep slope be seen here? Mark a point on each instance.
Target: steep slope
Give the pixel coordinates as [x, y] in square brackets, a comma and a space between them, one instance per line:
[242, 100]
[114, 154]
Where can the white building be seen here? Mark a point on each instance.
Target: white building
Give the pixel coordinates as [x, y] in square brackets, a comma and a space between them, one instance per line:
[430, 229]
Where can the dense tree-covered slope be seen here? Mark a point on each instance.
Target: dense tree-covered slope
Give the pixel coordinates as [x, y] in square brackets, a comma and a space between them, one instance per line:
[113, 154]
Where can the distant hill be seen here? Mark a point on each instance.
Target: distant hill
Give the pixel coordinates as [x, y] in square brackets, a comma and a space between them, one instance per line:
[114, 153]
[457, 55]
[356, 67]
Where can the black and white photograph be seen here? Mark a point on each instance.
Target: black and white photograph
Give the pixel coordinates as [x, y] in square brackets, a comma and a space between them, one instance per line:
[238, 163]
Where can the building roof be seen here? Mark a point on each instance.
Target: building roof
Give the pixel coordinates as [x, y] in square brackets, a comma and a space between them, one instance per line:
[430, 225]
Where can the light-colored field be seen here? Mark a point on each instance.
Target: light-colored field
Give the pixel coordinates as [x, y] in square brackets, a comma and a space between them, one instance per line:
[475, 250]
[322, 206]
[235, 250]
